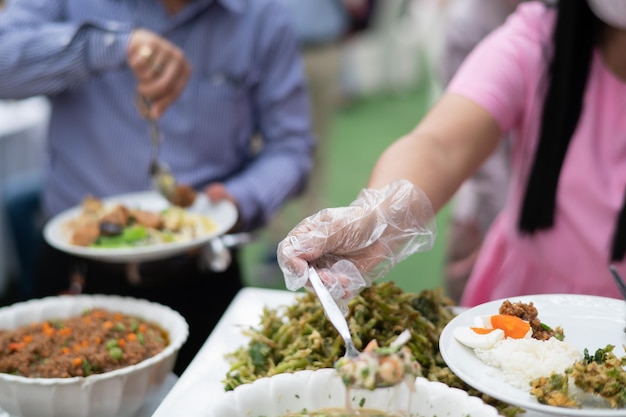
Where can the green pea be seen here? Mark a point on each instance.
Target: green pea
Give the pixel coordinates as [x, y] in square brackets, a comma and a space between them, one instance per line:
[134, 326]
[116, 353]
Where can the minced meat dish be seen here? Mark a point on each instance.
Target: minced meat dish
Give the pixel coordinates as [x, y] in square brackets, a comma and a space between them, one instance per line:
[95, 342]
[528, 312]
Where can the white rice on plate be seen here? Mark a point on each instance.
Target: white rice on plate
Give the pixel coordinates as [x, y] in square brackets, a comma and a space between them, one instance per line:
[522, 360]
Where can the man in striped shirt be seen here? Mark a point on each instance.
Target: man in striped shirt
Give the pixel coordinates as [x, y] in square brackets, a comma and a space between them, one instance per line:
[218, 72]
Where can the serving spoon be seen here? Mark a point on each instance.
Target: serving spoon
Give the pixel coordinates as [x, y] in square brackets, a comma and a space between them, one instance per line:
[162, 178]
[351, 366]
[333, 312]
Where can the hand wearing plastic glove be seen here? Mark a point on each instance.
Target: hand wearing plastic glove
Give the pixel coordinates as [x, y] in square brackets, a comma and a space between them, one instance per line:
[352, 246]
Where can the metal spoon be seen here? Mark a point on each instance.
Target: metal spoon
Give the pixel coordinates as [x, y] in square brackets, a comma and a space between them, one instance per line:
[621, 284]
[162, 178]
[333, 312]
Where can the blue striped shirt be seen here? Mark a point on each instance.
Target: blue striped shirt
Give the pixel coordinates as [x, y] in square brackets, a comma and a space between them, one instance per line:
[319, 21]
[247, 80]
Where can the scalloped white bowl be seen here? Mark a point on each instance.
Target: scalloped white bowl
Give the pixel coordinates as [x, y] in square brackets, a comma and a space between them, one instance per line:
[119, 393]
[314, 390]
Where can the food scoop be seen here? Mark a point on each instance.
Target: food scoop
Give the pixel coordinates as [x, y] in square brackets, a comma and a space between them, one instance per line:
[387, 366]
[162, 178]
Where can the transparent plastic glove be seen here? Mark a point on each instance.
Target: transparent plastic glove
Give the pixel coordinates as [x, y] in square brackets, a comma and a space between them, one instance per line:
[352, 246]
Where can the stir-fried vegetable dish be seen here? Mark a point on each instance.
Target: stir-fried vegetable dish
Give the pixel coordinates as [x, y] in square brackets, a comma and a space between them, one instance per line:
[601, 375]
[299, 336]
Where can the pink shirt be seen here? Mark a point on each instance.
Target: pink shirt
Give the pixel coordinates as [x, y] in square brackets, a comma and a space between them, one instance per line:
[505, 75]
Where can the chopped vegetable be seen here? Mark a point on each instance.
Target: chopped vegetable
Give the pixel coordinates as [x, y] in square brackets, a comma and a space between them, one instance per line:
[512, 326]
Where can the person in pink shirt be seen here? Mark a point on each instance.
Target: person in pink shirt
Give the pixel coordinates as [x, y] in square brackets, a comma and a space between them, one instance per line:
[554, 78]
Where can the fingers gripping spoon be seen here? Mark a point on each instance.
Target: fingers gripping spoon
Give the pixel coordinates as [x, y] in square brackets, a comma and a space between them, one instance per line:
[365, 369]
[351, 366]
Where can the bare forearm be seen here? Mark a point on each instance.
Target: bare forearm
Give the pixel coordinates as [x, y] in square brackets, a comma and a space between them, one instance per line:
[437, 156]
[420, 160]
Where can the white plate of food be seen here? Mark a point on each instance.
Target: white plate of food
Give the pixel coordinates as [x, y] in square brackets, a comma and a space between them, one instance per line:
[588, 322]
[154, 237]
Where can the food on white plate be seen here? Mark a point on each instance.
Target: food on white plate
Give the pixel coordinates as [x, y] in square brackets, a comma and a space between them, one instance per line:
[378, 367]
[535, 357]
[518, 344]
[598, 379]
[102, 225]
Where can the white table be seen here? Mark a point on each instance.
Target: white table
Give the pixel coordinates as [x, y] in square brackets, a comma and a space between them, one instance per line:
[200, 385]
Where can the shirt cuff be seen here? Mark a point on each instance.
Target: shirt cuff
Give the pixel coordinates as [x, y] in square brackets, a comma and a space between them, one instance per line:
[251, 214]
[107, 46]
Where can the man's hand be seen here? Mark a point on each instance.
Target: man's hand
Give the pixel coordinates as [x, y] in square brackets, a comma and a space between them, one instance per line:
[161, 68]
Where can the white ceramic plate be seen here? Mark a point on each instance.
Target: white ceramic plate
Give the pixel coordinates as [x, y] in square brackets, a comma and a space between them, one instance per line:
[224, 214]
[589, 322]
[314, 390]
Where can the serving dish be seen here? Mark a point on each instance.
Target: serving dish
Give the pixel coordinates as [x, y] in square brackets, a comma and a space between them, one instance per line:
[201, 386]
[589, 322]
[118, 393]
[315, 390]
[223, 214]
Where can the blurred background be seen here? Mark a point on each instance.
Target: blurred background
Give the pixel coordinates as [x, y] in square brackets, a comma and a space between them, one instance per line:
[388, 80]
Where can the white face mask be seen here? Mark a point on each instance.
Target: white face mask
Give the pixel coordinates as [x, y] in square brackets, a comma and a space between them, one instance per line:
[611, 12]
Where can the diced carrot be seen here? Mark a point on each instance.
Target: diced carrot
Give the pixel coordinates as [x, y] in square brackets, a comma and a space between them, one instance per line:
[121, 342]
[16, 345]
[65, 350]
[131, 336]
[84, 343]
[142, 328]
[77, 361]
[64, 331]
[108, 324]
[513, 326]
[27, 338]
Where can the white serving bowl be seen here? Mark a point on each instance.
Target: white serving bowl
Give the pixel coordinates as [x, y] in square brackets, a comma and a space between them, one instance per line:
[119, 393]
[314, 390]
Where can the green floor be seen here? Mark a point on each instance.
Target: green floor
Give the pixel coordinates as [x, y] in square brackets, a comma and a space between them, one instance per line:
[360, 132]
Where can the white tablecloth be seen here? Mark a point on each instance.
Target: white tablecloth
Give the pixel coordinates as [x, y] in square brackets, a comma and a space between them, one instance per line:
[200, 385]
[23, 125]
